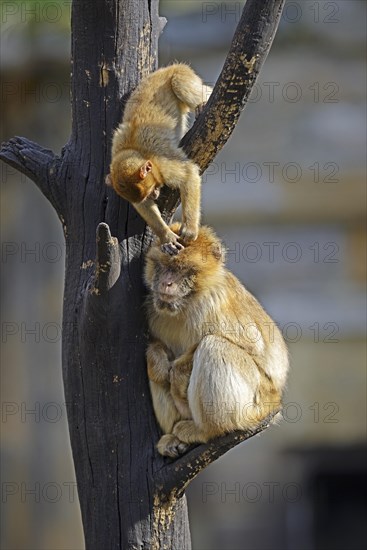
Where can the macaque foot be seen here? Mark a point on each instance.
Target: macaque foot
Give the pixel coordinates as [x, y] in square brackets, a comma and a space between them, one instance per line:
[188, 432]
[170, 445]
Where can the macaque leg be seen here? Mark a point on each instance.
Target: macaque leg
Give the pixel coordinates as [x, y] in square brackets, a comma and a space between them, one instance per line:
[180, 378]
[159, 366]
[188, 432]
[207, 90]
[190, 192]
[169, 444]
[180, 375]
[150, 213]
[239, 396]
[189, 88]
[184, 434]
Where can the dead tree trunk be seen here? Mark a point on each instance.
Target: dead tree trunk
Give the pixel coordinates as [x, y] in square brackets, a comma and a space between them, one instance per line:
[130, 497]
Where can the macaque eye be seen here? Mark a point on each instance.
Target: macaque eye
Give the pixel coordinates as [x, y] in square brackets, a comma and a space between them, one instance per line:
[188, 278]
[192, 272]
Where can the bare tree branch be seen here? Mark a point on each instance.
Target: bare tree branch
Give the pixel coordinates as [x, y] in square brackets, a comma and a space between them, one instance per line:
[37, 163]
[176, 476]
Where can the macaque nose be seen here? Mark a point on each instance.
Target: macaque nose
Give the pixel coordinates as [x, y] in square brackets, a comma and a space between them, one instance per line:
[167, 287]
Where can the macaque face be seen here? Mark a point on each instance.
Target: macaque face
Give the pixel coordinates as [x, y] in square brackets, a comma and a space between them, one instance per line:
[171, 287]
[132, 178]
[176, 281]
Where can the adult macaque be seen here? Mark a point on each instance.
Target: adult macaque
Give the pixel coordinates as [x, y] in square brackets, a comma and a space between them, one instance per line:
[146, 153]
[217, 362]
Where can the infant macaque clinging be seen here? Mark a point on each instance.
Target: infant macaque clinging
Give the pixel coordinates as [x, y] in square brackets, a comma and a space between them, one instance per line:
[146, 153]
[216, 362]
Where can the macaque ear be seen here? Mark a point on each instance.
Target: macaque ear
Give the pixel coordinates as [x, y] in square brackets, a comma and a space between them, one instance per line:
[145, 169]
[218, 251]
[108, 180]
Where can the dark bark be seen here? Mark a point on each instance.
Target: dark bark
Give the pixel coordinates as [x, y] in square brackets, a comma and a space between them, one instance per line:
[130, 497]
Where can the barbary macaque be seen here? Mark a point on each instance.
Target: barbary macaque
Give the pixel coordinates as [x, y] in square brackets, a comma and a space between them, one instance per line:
[216, 362]
[146, 153]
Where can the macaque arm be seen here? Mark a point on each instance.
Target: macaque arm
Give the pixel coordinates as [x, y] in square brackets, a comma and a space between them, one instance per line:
[149, 211]
[190, 191]
[183, 364]
[200, 108]
[159, 367]
[183, 174]
[158, 364]
[180, 374]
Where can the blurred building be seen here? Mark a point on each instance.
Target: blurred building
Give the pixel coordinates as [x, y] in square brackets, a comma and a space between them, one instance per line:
[287, 195]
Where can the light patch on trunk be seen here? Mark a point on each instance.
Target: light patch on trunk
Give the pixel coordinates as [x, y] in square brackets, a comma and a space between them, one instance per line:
[103, 75]
[250, 64]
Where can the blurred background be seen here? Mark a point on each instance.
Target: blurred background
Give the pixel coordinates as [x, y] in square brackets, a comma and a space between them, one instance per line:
[287, 195]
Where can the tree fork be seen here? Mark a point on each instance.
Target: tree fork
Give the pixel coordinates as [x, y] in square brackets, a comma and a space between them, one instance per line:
[130, 497]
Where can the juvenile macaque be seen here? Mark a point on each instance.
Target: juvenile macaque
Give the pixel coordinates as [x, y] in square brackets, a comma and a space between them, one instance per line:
[146, 155]
[217, 362]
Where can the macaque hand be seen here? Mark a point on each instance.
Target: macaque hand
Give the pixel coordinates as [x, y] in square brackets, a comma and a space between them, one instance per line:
[187, 233]
[170, 243]
[161, 353]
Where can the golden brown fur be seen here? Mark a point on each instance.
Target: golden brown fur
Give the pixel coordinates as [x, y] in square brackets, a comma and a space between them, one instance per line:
[217, 362]
[145, 152]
